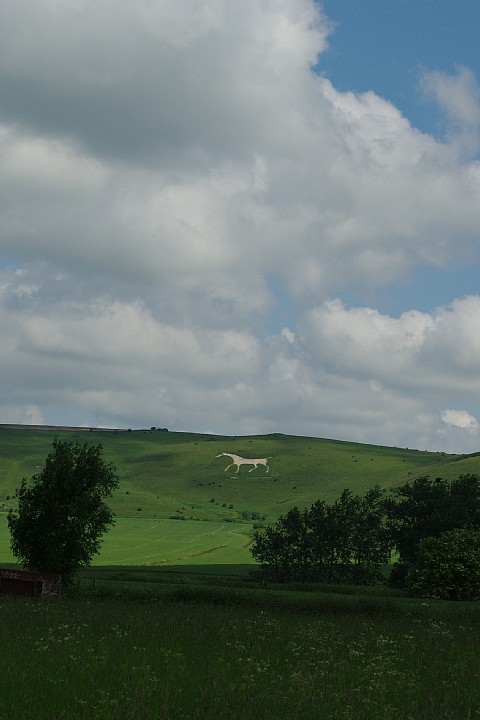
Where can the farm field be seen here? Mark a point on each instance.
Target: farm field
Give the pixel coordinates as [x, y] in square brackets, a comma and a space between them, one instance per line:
[144, 648]
[176, 504]
[168, 542]
[137, 541]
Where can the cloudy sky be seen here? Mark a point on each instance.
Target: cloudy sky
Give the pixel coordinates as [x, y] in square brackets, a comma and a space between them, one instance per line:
[242, 216]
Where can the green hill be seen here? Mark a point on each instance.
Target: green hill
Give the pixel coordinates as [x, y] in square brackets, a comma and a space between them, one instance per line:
[176, 504]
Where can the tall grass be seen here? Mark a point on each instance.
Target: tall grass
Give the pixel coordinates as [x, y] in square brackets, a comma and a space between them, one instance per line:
[183, 650]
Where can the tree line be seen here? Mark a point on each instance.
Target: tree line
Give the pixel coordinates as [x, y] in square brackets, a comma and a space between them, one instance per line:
[430, 528]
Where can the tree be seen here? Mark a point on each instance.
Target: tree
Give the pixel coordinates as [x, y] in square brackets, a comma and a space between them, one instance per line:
[283, 550]
[428, 508]
[416, 510]
[372, 543]
[447, 566]
[61, 514]
[343, 542]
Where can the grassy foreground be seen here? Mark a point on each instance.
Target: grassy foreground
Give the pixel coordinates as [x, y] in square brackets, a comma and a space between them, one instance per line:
[145, 646]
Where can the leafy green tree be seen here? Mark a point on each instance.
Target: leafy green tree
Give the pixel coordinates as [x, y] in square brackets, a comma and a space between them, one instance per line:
[61, 514]
[371, 540]
[319, 526]
[426, 508]
[357, 536]
[342, 521]
[447, 566]
[346, 541]
[283, 550]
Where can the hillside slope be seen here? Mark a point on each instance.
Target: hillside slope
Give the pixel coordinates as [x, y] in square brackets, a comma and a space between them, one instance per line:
[165, 475]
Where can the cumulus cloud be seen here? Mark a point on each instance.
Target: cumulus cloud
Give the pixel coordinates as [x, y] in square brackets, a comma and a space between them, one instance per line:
[164, 167]
[460, 419]
[418, 352]
[459, 96]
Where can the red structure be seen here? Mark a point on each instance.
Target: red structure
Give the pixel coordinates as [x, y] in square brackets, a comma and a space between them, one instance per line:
[32, 584]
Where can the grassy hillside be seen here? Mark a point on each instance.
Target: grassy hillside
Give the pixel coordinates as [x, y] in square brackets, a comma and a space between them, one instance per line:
[165, 475]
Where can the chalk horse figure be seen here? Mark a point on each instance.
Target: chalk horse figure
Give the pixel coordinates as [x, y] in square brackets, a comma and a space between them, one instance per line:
[238, 460]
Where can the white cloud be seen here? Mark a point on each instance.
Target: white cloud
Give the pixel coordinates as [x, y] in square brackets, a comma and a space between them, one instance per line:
[163, 166]
[459, 96]
[417, 352]
[460, 419]
[22, 414]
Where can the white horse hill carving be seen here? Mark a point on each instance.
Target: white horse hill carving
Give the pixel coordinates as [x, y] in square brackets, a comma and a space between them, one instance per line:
[238, 460]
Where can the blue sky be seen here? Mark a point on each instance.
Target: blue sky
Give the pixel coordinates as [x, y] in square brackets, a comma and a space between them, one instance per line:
[242, 218]
[382, 45]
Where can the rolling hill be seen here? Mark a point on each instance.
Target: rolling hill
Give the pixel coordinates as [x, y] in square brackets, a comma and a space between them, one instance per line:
[177, 505]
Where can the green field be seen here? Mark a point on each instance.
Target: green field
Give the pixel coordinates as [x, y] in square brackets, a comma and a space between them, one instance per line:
[137, 541]
[165, 475]
[144, 646]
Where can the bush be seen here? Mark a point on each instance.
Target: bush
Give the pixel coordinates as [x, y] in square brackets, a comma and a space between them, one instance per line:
[447, 567]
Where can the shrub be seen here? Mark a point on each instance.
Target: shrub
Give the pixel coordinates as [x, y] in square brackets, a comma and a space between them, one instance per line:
[447, 567]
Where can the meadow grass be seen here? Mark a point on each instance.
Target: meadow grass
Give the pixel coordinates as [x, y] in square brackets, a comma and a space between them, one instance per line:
[164, 650]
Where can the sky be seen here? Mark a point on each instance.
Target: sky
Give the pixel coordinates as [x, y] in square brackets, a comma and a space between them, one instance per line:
[242, 217]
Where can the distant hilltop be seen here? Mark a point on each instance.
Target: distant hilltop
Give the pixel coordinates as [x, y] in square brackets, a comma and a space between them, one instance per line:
[17, 426]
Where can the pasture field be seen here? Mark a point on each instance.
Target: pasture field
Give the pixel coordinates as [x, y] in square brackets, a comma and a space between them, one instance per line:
[165, 542]
[143, 648]
[166, 475]
[147, 541]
